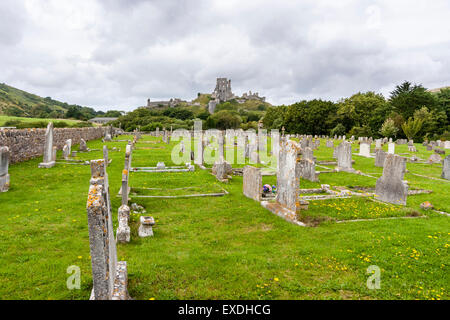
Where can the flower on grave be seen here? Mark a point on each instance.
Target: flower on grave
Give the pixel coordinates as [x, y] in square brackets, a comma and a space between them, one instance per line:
[267, 188]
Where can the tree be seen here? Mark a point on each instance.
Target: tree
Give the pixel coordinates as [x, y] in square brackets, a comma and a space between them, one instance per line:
[310, 117]
[412, 127]
[224, 120]
[339, 130]
[407, 98]
[389, 129]
[360, 108]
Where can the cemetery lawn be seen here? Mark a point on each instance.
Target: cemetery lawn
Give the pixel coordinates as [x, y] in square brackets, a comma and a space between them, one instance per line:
[225, 247]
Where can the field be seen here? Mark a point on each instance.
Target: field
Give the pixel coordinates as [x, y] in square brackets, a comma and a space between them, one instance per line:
[4, 119]
[226, 247]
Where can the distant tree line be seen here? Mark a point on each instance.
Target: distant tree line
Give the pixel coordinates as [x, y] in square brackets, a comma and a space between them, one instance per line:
[410, 112]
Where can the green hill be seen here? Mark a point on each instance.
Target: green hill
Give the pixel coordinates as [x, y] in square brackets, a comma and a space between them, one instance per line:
[19, 103]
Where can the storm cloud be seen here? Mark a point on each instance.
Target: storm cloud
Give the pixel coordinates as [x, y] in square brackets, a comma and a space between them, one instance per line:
[114, 54]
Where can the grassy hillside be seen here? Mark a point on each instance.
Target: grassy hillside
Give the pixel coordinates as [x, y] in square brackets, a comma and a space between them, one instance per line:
[13, 121]
[19, 103]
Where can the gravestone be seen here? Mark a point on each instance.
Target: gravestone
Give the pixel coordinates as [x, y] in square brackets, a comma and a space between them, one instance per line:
[380, 156]
[344, 156]
[412, 148]
[330, 144]
[446, 168]
[429, 147]
[83, 146]
[123, 230]
[288, 177]
[66, 152]
[446, 144]
[434, 158]
[105, 155]
[364, 150]
[252, 183]
[146, 227]
[4, 166]
[378, 144]
[49, 157]
[109, 276]
[69, 144]
[391, 148]
[308, 170]
[222, 170]
[391, 187]
[107, 138]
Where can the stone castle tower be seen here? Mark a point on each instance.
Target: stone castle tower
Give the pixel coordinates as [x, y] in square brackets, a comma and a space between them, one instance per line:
[223, 90]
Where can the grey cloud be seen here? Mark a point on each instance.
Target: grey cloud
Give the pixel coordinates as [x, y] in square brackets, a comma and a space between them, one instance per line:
[128, 51]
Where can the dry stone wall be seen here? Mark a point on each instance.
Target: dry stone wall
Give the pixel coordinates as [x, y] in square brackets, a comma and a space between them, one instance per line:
[27, 144]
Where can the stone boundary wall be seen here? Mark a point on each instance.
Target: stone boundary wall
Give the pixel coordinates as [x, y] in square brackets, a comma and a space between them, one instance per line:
[26, 144]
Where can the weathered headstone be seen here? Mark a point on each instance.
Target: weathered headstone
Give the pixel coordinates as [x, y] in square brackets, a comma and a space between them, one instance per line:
[434, 158]
[123, 230]
[380, 156]
[308, 170]
[66, 152]
[288, 177]
[109, 276]
[344, 156]
[447, 144]
[378, 144]
[446, 168]
[330, 144]
[49, 157]
[4, 165]
[391, 187]
[146, 227]
[83, 146]
[252, 183]
[105, 155]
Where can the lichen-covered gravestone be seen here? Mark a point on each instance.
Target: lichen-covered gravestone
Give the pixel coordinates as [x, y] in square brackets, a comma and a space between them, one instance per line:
[391, 187]
[446, 168]
[109, 276]
[288, 177]
[344, 156]
[252, 183]
[49, 157]
[4, 165]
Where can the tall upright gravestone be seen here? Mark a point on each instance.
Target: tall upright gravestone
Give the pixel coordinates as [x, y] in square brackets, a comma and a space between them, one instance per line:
[344, 156]
[109, 276]
[49, 158]
[446, 168]
[252, 183]
[391, 187]
[288, 177]
[4, 165]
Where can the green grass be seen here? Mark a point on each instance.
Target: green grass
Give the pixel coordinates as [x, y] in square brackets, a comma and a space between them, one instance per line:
[4, 119]
[226, 247]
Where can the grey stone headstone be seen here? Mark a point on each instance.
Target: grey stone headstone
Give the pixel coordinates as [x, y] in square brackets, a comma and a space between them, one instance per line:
[109, 275]
[434, 158]
[49, 157]
[380, 156]
[4, 165]
[106, 155]
[288, 177]
[344, 156]
[391, 187]
[308, 170]
[252, 183]
[446, 168]
[83, 145]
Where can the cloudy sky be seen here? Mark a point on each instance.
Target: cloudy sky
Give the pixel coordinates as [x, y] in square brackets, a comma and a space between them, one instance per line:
[114, 54]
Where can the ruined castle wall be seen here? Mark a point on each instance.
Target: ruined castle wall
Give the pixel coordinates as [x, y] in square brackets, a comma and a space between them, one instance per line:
[26, 144]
